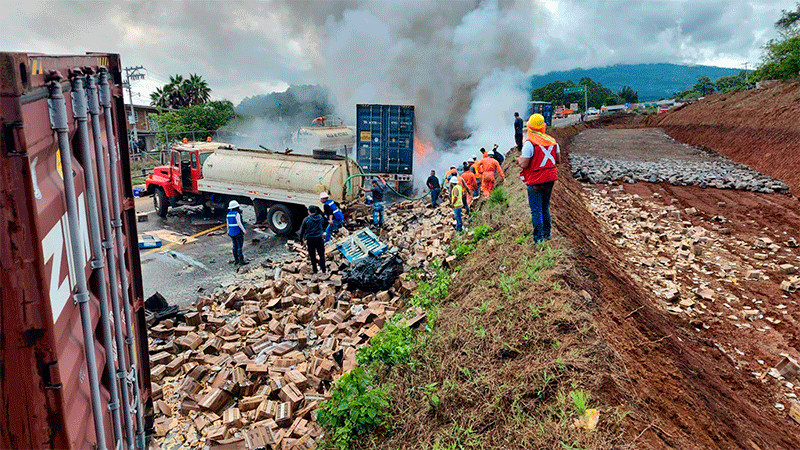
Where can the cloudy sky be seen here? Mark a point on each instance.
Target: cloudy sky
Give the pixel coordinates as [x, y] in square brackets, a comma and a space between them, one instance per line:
[245, 48]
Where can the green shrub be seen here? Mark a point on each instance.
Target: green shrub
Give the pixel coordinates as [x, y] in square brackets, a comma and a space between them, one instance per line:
[392, 345]
[481, 232]
[357, 406]
[499, 196]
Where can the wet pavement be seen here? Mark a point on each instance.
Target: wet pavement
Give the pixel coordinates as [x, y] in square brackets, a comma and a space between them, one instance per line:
[183, 271]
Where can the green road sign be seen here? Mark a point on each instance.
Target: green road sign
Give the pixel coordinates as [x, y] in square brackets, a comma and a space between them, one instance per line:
[573, 90]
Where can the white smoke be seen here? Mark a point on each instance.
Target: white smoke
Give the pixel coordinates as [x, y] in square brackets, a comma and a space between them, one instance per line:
[463, 65]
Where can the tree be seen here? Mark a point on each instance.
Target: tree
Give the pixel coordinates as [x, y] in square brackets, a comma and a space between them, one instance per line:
[789, 19]
[598, 95]
[781, 59]
[729, 83]
[704, 86]
[181, 92]
[628, 95]
[208, 117]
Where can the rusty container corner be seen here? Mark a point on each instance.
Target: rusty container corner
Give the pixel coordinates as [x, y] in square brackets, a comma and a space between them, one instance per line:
[45, 393]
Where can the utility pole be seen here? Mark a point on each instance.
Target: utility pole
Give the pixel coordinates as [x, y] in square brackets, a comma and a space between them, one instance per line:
[132, 74]
[745, 74]
[585, 99]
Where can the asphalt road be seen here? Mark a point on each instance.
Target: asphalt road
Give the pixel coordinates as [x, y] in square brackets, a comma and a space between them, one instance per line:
[183, 271]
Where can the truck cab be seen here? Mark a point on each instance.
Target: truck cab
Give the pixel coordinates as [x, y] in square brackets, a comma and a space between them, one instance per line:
[176, 183]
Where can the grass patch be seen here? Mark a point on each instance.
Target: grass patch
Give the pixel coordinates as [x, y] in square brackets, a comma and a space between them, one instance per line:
[499, 197]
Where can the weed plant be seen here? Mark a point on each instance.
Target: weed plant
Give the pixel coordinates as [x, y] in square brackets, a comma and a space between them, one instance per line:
[357, 406]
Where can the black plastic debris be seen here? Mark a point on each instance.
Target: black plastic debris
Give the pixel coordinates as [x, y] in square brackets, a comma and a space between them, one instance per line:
[374, 274]
[158, 309]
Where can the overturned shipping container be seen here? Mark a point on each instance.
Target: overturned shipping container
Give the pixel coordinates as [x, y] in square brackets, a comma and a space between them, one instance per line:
[74, 368]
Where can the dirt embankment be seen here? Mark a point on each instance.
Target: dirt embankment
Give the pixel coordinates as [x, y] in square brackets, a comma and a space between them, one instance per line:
[760, 128]
[682, 391]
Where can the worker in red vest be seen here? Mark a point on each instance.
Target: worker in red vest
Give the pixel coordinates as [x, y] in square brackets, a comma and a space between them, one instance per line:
[540, 154]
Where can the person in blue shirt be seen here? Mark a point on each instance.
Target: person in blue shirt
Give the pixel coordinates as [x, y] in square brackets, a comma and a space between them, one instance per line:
[377, 187]
[334, 215]
[236, 231]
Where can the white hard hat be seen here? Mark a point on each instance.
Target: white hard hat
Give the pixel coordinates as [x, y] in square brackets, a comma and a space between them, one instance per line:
[453, 180]
[233, 204]
[323, 195]
[474, 158]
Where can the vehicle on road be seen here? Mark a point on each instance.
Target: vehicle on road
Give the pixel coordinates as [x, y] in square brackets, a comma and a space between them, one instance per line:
[279, 185]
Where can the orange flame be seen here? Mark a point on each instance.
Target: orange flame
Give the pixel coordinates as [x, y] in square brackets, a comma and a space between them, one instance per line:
[422, 149]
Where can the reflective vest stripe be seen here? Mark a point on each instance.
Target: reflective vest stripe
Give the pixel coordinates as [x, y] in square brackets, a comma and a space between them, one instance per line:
[337, 213]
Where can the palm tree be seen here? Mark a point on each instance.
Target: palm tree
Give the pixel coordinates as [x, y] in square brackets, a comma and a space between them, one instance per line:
[159, 99]
[174, 92]
[196, 90]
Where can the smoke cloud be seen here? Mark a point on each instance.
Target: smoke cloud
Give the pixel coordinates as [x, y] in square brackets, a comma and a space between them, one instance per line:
[463, 65]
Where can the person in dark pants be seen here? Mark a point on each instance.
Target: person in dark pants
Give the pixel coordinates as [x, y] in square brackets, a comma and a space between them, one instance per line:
[435, 187]
[377, 200]
[334, 215]
[236, 232]
[311, 232]
[540, 154]
[519, 125]
[497, 155]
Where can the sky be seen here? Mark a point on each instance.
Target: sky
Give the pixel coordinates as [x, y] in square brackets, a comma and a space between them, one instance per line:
[248, 48]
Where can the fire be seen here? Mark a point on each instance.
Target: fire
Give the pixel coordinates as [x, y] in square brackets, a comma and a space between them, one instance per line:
[422, 149]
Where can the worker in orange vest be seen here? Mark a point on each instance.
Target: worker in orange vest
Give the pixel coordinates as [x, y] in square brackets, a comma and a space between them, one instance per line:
[486, 167]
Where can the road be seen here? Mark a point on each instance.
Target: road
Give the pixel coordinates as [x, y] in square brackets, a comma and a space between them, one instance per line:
[183, 271]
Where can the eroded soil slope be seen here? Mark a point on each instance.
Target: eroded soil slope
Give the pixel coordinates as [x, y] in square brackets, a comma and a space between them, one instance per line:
[686, 391]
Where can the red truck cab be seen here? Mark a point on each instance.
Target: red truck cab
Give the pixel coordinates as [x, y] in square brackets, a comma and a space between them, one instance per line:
[176, 184]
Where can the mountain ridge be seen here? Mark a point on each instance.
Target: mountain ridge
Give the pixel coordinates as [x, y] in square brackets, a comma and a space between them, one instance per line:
[653, 81]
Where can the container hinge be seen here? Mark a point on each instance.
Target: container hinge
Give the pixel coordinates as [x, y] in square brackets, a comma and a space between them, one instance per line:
[116, 223]
[97, 264]
[132, 374]
[129, 340]
[80, 298]
[107, 244]
[113, 406]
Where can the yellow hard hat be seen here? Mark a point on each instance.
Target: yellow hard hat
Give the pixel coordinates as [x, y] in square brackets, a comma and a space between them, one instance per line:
[536, 122]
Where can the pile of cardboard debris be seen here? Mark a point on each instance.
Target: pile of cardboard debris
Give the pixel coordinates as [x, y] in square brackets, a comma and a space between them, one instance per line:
[251, 364]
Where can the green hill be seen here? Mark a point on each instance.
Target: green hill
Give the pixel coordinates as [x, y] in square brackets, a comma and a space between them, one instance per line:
[652, 81]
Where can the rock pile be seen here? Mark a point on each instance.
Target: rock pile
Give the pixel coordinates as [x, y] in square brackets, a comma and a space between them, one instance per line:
[253, 361]
[719, 172]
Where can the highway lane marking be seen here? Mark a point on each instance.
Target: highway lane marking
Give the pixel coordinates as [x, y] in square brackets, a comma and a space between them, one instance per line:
[172, 244]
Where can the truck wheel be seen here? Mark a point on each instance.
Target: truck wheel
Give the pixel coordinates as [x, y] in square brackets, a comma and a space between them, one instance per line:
[280, 219]
[160, 202]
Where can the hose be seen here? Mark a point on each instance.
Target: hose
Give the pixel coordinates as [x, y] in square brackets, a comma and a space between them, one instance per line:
[364, 175]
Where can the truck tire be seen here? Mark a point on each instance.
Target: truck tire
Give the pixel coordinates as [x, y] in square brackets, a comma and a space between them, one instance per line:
[280, 219]
[160, 202]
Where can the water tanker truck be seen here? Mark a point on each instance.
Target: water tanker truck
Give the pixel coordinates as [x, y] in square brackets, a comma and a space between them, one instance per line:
[279, 185]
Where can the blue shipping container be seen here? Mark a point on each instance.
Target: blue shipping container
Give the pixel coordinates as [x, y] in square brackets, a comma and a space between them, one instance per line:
[543, 108]
[385, 138]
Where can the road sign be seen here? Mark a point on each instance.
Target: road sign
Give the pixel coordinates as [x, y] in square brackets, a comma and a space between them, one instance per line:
[573, 90]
